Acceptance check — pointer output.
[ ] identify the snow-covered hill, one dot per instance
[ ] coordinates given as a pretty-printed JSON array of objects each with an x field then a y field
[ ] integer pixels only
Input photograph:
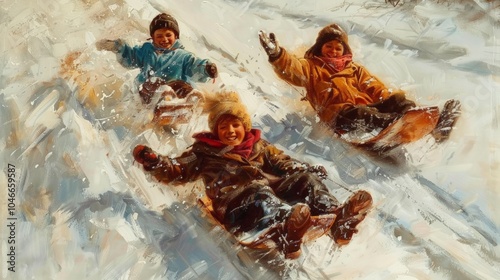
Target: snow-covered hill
[{"x": 83, "y": 210}]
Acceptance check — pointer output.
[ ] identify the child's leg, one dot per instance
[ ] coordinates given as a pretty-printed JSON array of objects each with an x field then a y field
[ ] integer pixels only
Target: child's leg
[
  {"x": 148, "y": 89},
  {"x": 257, "y": 207},
  {"x": 307, "y": 188},
  {"x": 151, "y": 85},
  {"x": 396, "y": 103},
  {"x": 363, "y": 118},
  {"x": 251, "y": 207}
]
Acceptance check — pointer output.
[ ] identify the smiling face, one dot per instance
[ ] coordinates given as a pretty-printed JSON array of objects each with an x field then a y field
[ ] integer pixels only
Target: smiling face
[
  {"x": 230, "y": 130},
  {"x": 164, "y": 38},
  {"x": 333, "y": 48}
]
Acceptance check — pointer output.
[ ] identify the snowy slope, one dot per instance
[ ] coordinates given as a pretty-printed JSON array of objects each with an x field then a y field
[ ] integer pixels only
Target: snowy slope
[{"x": 69, "y": 120}]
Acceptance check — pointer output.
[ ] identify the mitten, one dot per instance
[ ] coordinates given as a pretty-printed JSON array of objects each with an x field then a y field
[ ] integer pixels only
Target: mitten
[
  {"x": 109, "y": 45},
  {"x": 319, "y": 170},
  {"x": 270, "y": 44},
  {"x": 211, "y": 69},
  {"x": 145, "y": 156}
]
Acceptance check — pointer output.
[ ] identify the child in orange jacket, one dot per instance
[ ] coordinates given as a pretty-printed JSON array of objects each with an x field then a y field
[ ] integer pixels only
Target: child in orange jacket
[{"x": 343, "y": 93}]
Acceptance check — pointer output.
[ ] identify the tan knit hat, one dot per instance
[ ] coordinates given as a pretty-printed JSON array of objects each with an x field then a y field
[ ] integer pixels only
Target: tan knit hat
[
  {"x": 225, "y": 103},
  {"x": 328, "y": 33}
]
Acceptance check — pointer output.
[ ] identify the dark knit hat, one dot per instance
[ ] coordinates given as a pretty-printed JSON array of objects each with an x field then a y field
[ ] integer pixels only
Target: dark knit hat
[
  {"x": 225, "y": 103},
  {"x": 328, "y": 33},
  {"x": 164, "y": 21}
]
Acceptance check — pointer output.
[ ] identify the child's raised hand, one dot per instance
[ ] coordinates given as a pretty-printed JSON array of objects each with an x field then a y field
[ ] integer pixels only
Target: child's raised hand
[
  {"x": 108, "y": 45},
  {"x": 145, "y": 156},
  {"x": 269, "y": 43}
]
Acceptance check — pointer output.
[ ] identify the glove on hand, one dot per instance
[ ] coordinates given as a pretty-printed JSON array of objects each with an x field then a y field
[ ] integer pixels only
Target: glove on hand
[
  {"x": 145, "y": 156},
  {"x": 270, "y": 44},
  {"x": 318, "y": 170},
  {"x": 211, "y": 69},
  {"x": 108, "y": 45}
]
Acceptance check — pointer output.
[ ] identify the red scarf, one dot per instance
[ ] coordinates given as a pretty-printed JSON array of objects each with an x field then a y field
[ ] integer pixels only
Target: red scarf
[
  {"x": 338, "y": 63},
  {"x": 244, "y": 149}
]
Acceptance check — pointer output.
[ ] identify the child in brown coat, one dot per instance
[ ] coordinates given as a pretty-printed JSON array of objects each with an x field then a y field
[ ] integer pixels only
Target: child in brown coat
[
  {"x": 252, "y": 184},
  {"x": 343, "y": 93}
]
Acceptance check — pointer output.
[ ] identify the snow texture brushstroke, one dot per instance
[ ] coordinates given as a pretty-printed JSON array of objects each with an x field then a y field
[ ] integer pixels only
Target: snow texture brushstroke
[{"x": 85, "y": 211}]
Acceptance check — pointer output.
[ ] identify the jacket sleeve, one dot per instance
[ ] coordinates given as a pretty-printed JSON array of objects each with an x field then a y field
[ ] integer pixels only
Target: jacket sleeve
[
  {"x": 278, "y": 163},
  {"x": 177, "y": 170},
  {"x": 292, "y": 69},
  {"x": 195, "y": 68},
  {"x": 131, "y": 57},
  {"x": 372, "y": 86}
]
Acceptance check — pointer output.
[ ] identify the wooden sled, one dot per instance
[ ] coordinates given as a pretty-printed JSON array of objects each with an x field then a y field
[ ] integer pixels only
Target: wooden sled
[
  {"x": 412, "y": 126},
  {"x": 264, "y": 239},
  {"x": 171, "y": 110}
]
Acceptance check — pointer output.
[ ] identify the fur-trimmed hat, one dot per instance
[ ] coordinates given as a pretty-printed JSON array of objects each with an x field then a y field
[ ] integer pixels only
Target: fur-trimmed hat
[
  {"x": 328, "y": 33},
  {"x": 164, "y": 21},
  {"x": 225, "y": 103}
]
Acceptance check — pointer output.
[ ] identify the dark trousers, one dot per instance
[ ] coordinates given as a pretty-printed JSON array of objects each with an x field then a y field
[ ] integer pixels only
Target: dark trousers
[
  {"x": 258, "y": 206},
  {"x": 372, "y": 116}
]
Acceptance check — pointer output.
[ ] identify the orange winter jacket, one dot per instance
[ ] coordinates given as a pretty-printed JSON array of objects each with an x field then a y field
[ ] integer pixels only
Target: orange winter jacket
[{"x": 329, "y": 92}]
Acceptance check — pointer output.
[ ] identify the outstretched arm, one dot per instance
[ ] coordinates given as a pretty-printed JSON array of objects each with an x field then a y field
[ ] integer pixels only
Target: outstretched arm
[
  {"x": 200, "y": 70},
  {"x": 129, "y": 57},
  {"x": 288, "y": 67},
  {"x": 270, "y": 44},
  {"x": 164, "y": 169},
  {"x": 109, "y": 45}
]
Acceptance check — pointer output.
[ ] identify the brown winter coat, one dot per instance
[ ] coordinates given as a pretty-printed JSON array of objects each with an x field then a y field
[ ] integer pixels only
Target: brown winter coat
[
  {"x": 226, "y": 174},
  {"x": 328, "y": 92}
]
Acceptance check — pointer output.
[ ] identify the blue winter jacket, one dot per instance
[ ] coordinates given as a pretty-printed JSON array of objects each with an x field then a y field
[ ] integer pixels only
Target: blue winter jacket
[{"x": 170, "y": 64}]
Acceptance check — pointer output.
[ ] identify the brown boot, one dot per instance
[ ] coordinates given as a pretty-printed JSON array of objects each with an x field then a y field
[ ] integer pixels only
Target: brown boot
[
  {"x": 349, "y": 216},
  {"x": 447, "y": 119},
  {"x": 294, "y": 228}
]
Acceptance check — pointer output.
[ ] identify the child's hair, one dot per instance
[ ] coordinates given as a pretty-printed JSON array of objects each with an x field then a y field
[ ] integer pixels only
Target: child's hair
[
  {"x": 327, "y": 34},
  {"x": 164, "y": 21},
  {"x": 225, "y": 103}
]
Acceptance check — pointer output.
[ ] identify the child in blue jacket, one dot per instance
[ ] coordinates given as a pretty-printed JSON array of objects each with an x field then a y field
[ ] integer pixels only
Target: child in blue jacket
[{"x": 162, "y": 61}]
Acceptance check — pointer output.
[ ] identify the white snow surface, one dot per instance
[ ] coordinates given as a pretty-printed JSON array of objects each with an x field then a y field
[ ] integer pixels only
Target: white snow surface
[{"x": 70, "y": 117}]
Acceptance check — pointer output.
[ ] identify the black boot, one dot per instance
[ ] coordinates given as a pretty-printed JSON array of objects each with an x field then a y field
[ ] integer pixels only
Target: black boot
[{"x": 447, "y": 119}]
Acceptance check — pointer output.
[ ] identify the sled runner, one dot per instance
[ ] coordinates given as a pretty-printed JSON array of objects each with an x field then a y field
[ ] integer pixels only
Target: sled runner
[
  {"x": 268, "y": 238},
  {"x": 412, "y": 126}
]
